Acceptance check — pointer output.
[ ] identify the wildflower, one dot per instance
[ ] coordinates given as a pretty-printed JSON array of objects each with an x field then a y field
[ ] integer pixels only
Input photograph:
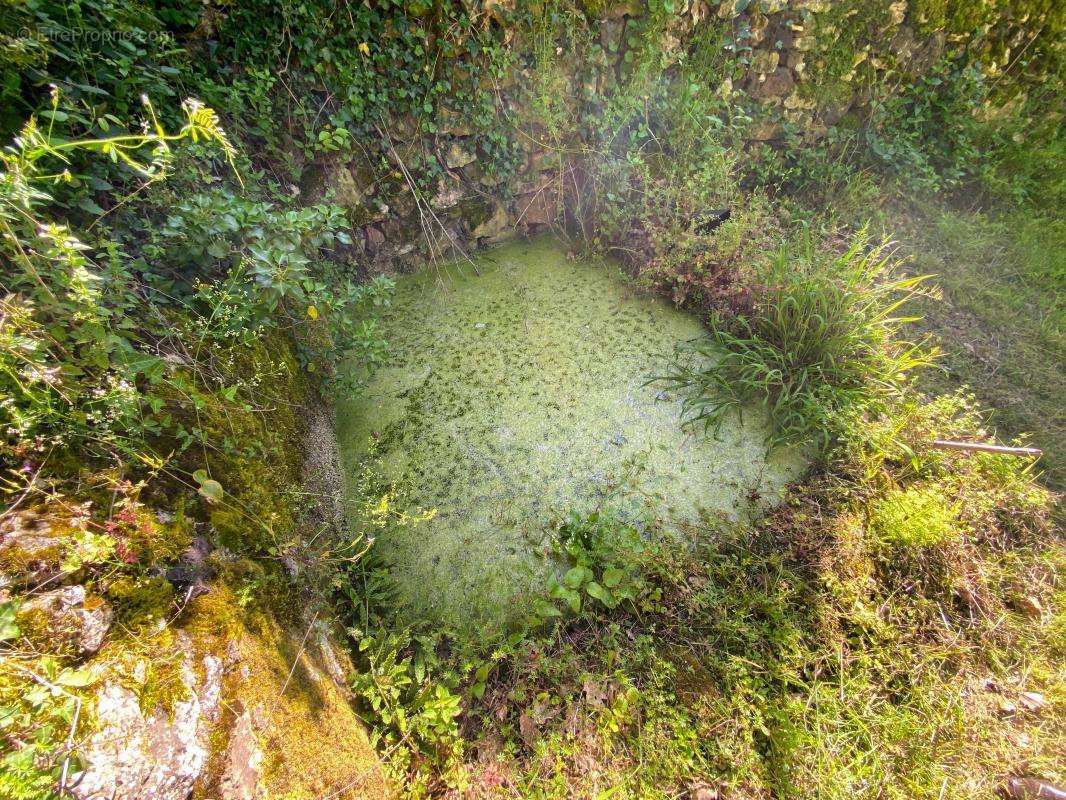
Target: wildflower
[{"x": 125, "y": 554}]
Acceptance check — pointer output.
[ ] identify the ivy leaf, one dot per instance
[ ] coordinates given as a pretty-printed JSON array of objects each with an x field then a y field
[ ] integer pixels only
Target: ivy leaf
[
  {"x": 75, "y": 678},
  {"x": 152, "y": 367},
  {"x": 88, "y": 204},
  {"x": 569, "y": 596},
  {"x": 573, "y": 599},
  {"x": 545, "y": 609},
  {"x": 210, "y": 489}
]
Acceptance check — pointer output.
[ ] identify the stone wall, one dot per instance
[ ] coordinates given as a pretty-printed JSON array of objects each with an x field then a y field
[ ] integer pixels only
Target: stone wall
[{"x": 802, "y": 65}]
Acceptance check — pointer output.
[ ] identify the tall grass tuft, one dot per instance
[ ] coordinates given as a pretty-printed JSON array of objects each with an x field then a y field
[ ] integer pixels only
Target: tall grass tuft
[{"x": 823, "y": 337}]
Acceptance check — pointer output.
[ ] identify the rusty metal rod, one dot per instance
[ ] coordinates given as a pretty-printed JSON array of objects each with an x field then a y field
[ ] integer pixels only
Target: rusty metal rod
[{"x": 944, "y": 444}]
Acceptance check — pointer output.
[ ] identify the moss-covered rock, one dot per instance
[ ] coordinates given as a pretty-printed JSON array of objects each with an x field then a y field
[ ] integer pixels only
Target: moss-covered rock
[
  {"x": 259, "y": 463},
  {"x": 141, "y": 600},
  {"x": 67, "y": 621},
  {"x": 231, "y": 700},
  {"x": 158, "y": 753},
  {"x": 488, "y": 223},
  {"x": 33, "y": 543},
  {"x": 289, "y": 728}
]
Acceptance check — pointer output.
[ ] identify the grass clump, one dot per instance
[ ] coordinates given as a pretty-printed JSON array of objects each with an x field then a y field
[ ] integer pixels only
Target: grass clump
[{"x": 822, "y": 337}]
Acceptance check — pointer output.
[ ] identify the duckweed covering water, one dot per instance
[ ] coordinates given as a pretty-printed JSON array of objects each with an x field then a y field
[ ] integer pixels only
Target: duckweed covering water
[{"x": 512, "y": 398}]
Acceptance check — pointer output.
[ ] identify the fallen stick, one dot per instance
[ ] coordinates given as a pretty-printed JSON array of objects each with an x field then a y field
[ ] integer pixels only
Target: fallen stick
[{"x": 944, "y": 444}]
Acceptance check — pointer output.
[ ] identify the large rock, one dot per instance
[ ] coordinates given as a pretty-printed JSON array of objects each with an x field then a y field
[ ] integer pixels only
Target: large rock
[
  {"x": 258, "y": 710},
  {"x": 155, "y": 756},
  {"x": 777, "y": 84},
  {"x": 448, "y": 195},
  {"x": 617, "y": 9},
  {"x": 453, "y": 123},
  {"x": 291, "y": 730},
  {"x": 457, "y": 155},
  {"x": 765, "y": 62},
  {"x": 611, "y": 34},
  {"x": 67, "y": 619},
  {"x": 242, "y": 772},
  {"x": 350, "y": 183},
  {"x": 499, "y": 10},
  {"x": 491, "y": 228},
  {"x": 374, "y": 239},
  {"x": 538, "y": 208}
]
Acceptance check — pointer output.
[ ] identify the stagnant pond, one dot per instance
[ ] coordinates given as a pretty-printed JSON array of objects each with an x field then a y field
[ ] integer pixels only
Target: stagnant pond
[{"x": 515, "y": 396}]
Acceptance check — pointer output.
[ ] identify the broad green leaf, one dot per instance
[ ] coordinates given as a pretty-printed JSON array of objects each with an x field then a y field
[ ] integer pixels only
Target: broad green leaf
[
  {"x": 601, "y": 594},
  {"x": 612, "y": 576},
  {"x": 9, "y": 629},
  {"x": 212, "y": 490},
  {"x": 75, "y": 678},
  {"x": 573, "y": 599},
  {"x": 545, "y": 609},
  {"x": 575, "y": 576}
]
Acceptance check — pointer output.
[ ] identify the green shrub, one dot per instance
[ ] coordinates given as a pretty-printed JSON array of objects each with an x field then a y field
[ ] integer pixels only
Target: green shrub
[
  {"x": 103, "y": 55},
  {"x": 217, "y": 272},
  {"x": 823, "y": 337},
  {"x": 275, "y": 276},
  {"x": 407, "y": 697},
  {"x": 38, "y": 703},
  {"x": 928, "y": 135},
  {"x": 71, "y": 360}
]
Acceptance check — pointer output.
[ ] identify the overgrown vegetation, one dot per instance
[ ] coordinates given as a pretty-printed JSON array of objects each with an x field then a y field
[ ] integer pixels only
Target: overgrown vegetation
[
  {"x": 180, "y": 278},
  {"x": 821, "y": 652},
  {"x": 821, "y": 340}
]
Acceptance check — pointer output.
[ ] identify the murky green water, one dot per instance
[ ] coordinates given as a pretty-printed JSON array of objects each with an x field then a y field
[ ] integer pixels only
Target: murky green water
[{"x": 515, "y": 396}]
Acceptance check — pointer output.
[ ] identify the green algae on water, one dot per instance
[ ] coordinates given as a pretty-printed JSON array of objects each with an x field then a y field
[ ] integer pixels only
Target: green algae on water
[{"x": 515, "y": 396}]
